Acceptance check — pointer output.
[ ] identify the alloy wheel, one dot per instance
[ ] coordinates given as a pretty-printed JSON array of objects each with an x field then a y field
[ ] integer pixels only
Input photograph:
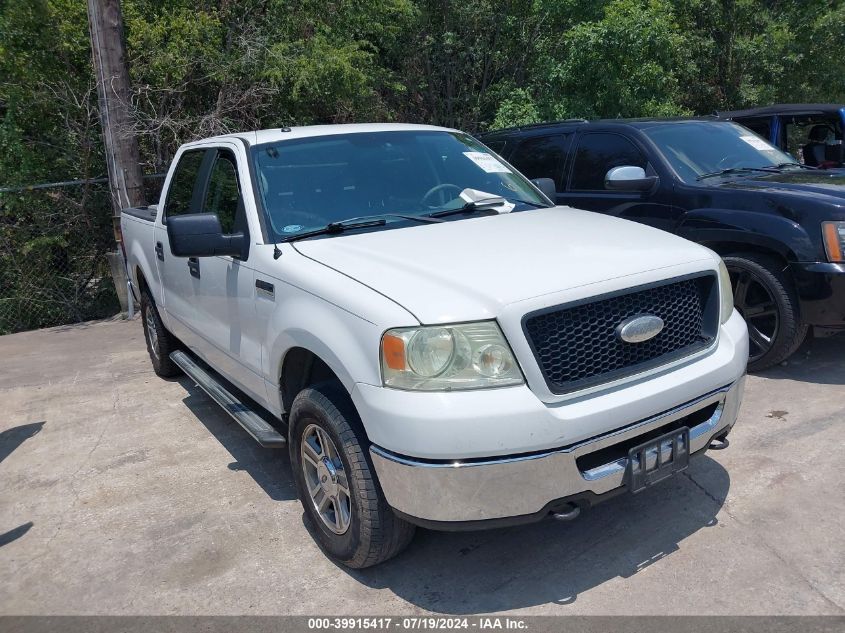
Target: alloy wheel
[
  {"x": 152, "y": 332},
  {"x": 757, "y": 305},
  {"x": 326, "y": 479}
]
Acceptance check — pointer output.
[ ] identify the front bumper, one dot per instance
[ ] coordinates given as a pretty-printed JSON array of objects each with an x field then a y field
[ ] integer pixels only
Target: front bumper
[
  {"x": 439, "y": 493},
  {"x": 821, "y": 290}
]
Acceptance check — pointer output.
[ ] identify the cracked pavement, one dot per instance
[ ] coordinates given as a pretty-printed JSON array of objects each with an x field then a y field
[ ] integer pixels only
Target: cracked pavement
[{"x": 121, "y": 493}]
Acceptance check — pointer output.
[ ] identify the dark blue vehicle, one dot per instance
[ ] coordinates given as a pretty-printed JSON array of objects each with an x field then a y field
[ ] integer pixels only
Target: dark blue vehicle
[
  {"x": 812, "y": 132},
  {"x": 778, "y": 224}
]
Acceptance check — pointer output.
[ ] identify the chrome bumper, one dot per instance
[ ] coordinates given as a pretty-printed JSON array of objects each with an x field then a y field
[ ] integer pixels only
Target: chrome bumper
[{"x": 482, "y": 490}]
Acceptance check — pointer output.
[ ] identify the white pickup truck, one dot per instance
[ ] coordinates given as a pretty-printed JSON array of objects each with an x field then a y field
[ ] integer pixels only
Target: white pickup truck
[{"x": 432, "y": 339}]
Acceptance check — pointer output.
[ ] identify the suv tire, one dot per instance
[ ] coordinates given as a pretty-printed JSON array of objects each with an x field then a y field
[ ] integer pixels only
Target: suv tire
[{"x": 767, "y": 300}]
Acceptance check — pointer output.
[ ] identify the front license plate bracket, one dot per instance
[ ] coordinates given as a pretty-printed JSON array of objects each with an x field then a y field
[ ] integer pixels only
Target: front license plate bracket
[{"x": 657, "y": 459}]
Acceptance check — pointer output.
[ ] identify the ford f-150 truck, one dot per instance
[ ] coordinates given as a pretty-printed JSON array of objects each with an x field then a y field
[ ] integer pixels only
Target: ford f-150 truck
[{"x": 432, "y": 339}]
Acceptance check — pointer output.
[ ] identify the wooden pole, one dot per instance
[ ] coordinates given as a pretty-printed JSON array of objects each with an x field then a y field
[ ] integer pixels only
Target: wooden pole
[{"x": 123, "y": 158}]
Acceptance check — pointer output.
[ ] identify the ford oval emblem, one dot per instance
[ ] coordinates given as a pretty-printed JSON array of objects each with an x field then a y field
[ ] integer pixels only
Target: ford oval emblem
[{"x": 639, "y": 328}]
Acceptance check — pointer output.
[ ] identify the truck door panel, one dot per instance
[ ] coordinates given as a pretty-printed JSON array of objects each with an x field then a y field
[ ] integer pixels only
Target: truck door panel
[{"x": 225, "y": 297}]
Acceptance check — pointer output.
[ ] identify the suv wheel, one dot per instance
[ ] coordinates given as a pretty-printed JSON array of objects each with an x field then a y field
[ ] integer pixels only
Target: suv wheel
[
  {"x": 764, "y": 296},
  {"x": 343, "y": 502}
]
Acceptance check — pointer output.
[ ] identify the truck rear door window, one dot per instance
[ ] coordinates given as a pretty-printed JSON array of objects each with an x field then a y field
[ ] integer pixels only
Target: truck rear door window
[{"x": 184, "y": 194}]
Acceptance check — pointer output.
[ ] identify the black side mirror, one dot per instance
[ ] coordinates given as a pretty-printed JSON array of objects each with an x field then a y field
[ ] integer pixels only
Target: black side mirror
[
  {"x": 629, "y": 178},
  {"x": 200, "y": 235},
  {"x": 547, "y": 186}
]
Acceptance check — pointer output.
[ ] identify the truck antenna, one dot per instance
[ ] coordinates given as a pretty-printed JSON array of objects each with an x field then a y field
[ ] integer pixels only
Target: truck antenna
[{"x": 277, "y": 252}]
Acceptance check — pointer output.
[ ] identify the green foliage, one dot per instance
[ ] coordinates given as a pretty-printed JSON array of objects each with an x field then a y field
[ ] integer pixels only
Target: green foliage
[{"x": 626, "y": 64}]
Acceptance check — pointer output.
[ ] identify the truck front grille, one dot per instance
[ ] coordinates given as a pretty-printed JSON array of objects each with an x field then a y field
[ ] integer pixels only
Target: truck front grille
[{"x": 576, "y": 344}]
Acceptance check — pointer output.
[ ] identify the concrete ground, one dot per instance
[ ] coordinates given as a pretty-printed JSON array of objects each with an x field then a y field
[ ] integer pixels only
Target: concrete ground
[{"x": 121, "y": 493}]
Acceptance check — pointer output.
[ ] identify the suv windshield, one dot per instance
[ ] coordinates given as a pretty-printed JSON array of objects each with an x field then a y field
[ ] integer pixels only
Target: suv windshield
[
  {"x": 697, "y": 148},
  {"x": 308, "y": 183}
]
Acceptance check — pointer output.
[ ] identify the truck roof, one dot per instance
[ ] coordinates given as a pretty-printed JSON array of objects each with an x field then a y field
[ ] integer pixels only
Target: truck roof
[{"x": 272, "y": 135}]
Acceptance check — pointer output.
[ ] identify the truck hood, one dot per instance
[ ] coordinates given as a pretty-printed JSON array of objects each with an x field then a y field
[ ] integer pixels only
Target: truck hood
[
  {"x": 817, "y": 183},
  {"x": 469, "y": 269}
]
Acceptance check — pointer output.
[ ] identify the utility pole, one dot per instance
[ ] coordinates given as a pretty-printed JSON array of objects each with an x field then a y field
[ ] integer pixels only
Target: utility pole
[{"x": 123, "y": 157}]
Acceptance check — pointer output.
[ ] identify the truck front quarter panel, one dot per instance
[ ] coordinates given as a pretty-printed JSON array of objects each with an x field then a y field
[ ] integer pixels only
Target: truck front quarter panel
[{"x": 324, "y": 312}]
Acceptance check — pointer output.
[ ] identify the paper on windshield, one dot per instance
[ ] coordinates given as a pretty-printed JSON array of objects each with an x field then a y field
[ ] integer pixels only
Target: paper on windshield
[
  {"x": 757, "y": 143},
  {"x": 487, "y": 162}
]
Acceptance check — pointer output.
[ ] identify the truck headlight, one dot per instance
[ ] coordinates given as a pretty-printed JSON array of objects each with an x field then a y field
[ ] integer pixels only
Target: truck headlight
[
  {"x": 726, "y": 294},
  {"x": 448, "y": 357},
  {"x": 834, "y": 241}
]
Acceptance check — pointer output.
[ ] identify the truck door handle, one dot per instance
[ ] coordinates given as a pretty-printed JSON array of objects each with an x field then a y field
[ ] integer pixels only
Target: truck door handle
[
  {"x": 265, "y": 287},
  {"x": 194, "y": 267},
  {"x": 160, "y": 251}
]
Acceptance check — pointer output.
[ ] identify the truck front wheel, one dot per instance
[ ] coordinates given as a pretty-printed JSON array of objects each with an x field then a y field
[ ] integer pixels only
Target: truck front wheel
[
  {"x": 343, "y": 502},
  {"x": 160, "y": 342}
]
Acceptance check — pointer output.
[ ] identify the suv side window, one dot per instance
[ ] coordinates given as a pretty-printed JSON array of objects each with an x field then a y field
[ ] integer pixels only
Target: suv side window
[
  {"x": 542, "y": 157},
  {"x": 184, "y": 193},
  {"x": 223, "y": 195},
  {"x": 598, "y": 153}
]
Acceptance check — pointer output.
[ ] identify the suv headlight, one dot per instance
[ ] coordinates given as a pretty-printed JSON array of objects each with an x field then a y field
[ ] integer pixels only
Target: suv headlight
[
  {"x": 834, "y": 241},
  {"x": 448, "y": 357},
  {"x": 726, "y": 294}
]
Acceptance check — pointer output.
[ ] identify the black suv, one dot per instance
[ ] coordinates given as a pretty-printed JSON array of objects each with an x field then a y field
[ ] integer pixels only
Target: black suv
[{"x": 779, "y": 225}]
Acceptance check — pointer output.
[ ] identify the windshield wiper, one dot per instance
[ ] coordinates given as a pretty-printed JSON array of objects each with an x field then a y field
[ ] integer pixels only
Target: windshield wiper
[
  {"x": 735, "y": 170},
  {"x": 485, "y": 204},
  {"x": 790, "y": 164},
  {"x": 360, "y": 222}
]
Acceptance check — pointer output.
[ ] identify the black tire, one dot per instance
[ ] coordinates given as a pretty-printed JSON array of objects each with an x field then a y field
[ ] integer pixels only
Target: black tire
[
  {"x": 374, "y": 533},
  {"x": 160, "y": 343},
  {"x": 766, "y": 298}
]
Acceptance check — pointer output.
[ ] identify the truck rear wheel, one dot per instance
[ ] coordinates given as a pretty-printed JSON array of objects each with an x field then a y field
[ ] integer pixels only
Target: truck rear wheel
[
  {"x": 766, "y": 299},
  {"x": 343, "y": 502},
  {"x": 160, "y": 342}
]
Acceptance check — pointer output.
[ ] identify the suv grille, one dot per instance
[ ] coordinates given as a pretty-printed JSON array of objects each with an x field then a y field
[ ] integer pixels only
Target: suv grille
[{"x": 576, "y": 345}]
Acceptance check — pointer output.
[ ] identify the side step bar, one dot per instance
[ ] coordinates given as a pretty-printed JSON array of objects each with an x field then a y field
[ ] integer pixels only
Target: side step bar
[{"x": 260, "y": 430}]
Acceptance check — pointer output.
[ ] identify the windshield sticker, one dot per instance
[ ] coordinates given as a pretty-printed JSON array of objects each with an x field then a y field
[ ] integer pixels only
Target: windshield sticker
[
  {"x": 488, "y": 163},
  {"x": 757, "y": 143},
  {"x": 292, "y": 228}
]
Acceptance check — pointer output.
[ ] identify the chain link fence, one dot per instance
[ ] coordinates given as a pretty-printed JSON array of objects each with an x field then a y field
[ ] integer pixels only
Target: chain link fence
[{"x": 53, "y": 264}]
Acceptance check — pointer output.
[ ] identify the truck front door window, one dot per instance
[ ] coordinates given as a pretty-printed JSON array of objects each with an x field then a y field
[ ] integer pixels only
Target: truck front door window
[
  {"x": 599, "y": 153},
  {"x": 223, "y": 195}
]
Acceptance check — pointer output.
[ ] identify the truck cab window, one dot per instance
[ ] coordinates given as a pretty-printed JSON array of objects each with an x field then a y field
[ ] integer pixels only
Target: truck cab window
[
  {"x": 543, "y": 157},
  {"x": 183, "y": 194},
  {"x": 597, "y": 154},
  {"x": 223, "y": 194}
]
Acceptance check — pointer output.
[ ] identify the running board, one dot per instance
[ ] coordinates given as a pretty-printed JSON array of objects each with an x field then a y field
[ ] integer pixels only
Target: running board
[{"x": 260, "y": 430}]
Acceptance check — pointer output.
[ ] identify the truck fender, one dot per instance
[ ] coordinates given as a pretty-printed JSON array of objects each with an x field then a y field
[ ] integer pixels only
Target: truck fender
[
  {"x": 346, "y": 343},
  {"x": 734, "y": 230}
]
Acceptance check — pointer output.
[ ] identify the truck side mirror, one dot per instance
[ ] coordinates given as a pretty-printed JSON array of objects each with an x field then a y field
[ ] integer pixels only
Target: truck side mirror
[
  {"x": 547, "y": 186},
  {"x": 200, "y": 235},
  {"x": 629, "y": 178}
]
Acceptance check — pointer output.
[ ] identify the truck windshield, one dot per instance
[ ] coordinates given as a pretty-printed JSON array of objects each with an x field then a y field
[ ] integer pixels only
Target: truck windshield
[
  {"x": 698, "y": 148},
  {"x": 307, "y": 183}
]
